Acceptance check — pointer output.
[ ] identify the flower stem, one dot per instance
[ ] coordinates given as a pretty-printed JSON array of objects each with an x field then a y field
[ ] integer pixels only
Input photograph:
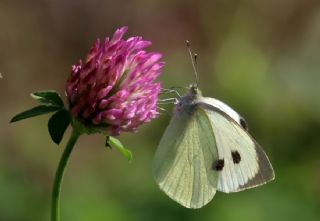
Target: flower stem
[{"x": 55, "y": 204}]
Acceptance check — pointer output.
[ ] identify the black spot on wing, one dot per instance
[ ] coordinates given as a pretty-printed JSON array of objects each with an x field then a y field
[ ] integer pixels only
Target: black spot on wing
[
  {"x": 244, "y": 124},
  {"x": 218, "y": 165},
  {"x": 236, "y": 157}
]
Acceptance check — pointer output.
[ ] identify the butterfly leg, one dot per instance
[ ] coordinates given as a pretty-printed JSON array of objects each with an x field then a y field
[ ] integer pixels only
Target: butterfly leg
[{"x": 170, "y": 90}]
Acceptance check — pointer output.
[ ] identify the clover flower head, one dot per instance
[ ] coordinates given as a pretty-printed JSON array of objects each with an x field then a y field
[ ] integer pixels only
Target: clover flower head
[{"x": 114, "y": 88}]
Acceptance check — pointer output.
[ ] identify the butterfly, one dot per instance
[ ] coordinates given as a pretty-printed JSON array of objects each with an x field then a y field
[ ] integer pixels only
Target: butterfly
[{"x": 207, "y": 148}]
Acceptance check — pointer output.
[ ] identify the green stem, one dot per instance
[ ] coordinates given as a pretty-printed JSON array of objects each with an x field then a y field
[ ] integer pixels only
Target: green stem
[{"x": 55, "y": 206}]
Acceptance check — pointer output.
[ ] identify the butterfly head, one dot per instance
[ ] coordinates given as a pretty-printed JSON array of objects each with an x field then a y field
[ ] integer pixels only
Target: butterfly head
[
  {"x": 188, "y": 102},
  {"x": 194, "y": 90}
]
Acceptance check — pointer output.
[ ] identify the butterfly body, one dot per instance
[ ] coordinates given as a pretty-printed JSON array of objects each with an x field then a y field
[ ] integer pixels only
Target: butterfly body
[{"x": 206, "y": 148}]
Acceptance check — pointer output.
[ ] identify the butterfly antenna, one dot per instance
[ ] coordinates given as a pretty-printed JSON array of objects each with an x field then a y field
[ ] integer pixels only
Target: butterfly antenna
[{"x": 193, "y": 58}]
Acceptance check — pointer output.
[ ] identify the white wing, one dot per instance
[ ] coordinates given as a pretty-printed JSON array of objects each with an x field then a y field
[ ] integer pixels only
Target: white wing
[
  {"x": 245, "y": 165},
  {"x": 182, "y": 166},
  {"x": 223, "y": 107}
]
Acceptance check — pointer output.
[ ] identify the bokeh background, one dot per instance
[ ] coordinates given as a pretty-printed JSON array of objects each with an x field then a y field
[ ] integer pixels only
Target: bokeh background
[{"x": 260, "y": 57}]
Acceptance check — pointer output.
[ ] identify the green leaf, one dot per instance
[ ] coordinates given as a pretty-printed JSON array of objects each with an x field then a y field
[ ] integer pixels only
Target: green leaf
[
  {"x": 82, "y": 128},
  {"x": 115, "y": 143},
  {"x": 48, "y": 97},
  {"x": 38, "y": 110},
  {"x": 57, "y": 125}
]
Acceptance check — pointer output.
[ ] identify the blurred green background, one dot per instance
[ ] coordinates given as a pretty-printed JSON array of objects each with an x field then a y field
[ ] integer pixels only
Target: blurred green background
[{"x": 260, "y": 57}]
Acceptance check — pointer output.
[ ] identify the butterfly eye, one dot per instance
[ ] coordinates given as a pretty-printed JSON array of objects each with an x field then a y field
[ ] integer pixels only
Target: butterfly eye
[{"x": 244, "y": 124}]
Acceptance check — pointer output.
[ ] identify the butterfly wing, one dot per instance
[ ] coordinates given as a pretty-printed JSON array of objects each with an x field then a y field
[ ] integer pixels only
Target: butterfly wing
[
  {"x": 182, "y": 166},
  {"x": 245, "y": 163},
  {"x": 222, "y": 107}
]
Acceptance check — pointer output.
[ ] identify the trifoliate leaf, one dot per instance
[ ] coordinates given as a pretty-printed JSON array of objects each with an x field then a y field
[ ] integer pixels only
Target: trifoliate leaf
[
  {"x": 57, "y": 125},
  {"x": 38, "y": 110},
  {"x": 48, "y": 97},
  {"x": 115, "y": 143}
]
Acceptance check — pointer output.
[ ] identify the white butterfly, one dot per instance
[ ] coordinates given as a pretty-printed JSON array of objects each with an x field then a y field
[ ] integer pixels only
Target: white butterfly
[{"x": 206, "y": 148}]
